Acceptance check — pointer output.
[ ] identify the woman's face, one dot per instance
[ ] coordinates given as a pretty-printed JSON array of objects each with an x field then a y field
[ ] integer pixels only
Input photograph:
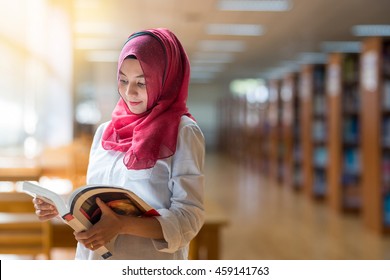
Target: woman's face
[{"x": 132, "y": 86}]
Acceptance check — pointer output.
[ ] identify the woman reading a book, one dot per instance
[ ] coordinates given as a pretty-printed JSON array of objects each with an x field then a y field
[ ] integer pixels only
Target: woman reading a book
[{"x": 152, "y": 146}]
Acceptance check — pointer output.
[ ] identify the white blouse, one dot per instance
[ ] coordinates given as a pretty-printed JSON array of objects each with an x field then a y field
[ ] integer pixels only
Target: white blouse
[{"x": 174, "y": 187}]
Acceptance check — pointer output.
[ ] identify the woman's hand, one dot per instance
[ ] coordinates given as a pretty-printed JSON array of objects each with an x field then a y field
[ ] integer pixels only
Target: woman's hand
[
  {"x": 103, "y": 231},
  {"x": 45, "y": 211}
]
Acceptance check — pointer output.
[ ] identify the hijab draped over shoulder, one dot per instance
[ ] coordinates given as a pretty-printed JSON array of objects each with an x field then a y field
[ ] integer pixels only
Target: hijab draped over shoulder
[{"x": 152, "y": 135}]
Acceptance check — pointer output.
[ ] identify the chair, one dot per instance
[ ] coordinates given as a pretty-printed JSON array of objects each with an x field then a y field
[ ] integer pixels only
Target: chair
[{"x": 21, "y": 232}]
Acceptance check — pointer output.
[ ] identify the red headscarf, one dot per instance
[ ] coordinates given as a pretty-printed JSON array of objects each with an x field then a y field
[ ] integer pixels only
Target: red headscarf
[{"x": 152, "y": 135}]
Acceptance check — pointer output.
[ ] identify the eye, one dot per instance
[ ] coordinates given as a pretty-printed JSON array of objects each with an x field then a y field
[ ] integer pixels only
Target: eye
[
  {"x": 122, "y": 81},
  {"x": 141, "y": 85}
]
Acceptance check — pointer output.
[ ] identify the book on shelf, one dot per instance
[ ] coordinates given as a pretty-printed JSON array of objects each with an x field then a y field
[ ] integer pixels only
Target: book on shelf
[{"x": 80, "y": 211}]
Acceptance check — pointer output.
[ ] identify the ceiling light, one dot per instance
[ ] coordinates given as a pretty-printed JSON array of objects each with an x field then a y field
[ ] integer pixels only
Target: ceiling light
[
  {"x": 371, "y": 30},
  {"x": 200, "y": 81},
  {"x": 93, "y": 28},
  {"x": 274, "y": 73},
  {"x": 207, "y": 67},
  {"x": 199, "y": 58},
  {"x": 103, "y": 56},
  {"x": 341, "y": 47},
  {"x": 312, "y": 58},
  {"x": 202, "y": 75},
  {"x": 235, "y": 29},
  {"x": 95, "y": 43},
  {"x": 255, "y": 5},
  {"x": 290, "y": 66},
  {"x": 222, "y": 46}
]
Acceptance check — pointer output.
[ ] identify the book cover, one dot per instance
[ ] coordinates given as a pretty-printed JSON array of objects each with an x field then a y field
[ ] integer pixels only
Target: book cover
[{"x": 81, "y": 211}]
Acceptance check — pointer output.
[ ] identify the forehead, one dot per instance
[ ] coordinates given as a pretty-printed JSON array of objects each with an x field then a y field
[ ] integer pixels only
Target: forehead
[{"x": 131, "y": 66}]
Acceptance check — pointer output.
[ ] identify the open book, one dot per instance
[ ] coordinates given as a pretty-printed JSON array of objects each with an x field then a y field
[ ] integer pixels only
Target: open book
[{"x": 81, "y": 211}]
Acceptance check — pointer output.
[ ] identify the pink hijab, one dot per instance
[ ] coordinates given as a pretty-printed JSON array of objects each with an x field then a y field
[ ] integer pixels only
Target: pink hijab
[{"x": 147, "y": 137}]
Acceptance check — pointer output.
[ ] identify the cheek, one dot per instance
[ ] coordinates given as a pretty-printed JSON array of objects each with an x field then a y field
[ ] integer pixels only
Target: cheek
[
  {"x": 121, "y": 92},
  {"x": 144, "y": 96},
  {"x": 152, "y": 94}
]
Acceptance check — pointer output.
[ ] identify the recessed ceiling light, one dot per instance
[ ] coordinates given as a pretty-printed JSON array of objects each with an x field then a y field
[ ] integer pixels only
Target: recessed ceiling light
[
  {"x": 222, "y": 46},
  {"x": 93, "y": 28},
  {"x": 312, "y": 58},
  {"x": 203, "y": 75},
  {"x": 371, "y": 30},
  {"x": 235, "y": 29},
  {"x": 200, "y": 57},
  {"x": 103, "y": 56},
  {"x": 95, "y": 43},
  {"x": 290, "y": 66},
  {"x": 207, "y": 67},
  {"x": 342, "y": 47},
  {"x": 255, "y": 5}
]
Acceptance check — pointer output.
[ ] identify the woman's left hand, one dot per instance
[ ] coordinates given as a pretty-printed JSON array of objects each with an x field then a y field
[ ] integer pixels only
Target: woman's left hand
[{"x": 103, "y": 231}]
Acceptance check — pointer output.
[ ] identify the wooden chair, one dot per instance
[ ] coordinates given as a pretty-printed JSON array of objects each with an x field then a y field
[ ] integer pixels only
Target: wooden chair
[{"x": 21, "y": 232}]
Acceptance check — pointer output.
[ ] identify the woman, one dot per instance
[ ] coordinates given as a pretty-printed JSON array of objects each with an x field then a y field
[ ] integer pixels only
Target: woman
[{"x": 152, "y": 146}]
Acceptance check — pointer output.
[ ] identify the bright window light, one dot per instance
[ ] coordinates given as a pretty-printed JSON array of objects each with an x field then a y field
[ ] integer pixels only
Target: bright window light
[
  {"x": 235, "y": 29},
  {"x": 255, "y": 5},
  {"x": 371, "y": 30}
]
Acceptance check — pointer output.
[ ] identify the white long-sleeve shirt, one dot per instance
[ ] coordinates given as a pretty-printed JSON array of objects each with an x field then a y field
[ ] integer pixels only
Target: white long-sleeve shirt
[{"x": 174, "y": 187}]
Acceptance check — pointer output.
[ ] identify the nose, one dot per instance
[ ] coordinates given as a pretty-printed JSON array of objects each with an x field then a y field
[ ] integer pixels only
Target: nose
[{"x": 130, "y": 90}]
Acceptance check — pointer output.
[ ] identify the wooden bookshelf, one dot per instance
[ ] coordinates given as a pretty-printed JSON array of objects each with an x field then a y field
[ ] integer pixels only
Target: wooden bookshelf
[
  {"x": 274, "y": 134},
  {"x": 265, "y": 143},
  {"x": 344, "y": 168},
  {"x": 291, "y": 124},
  {"x": 314, "y": 129},
  {"x": 375, "y": 96}
]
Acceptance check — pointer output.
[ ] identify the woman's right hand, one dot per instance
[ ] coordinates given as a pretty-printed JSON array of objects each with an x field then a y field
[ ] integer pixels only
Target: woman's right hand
[{"x": 45, "y": 211}]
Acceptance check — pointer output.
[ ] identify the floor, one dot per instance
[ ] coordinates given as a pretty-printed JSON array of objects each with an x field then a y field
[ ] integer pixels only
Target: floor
[{"x": 267, "y": 221}]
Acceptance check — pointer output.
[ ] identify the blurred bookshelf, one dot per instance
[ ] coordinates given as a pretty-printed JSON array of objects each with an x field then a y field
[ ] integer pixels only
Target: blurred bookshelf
[
  {"x": 314, "y": 130},
  {"x": 344, "y": 168},
  {"x": 375, "y": 95}
]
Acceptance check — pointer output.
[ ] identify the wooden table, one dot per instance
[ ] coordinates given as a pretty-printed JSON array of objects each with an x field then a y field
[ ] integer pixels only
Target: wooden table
[
  {"x": 19, "y": 169},
  {"x": 206, "y": 245}
]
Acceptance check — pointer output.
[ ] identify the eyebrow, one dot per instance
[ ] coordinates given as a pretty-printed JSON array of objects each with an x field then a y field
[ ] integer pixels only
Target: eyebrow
[{"x": 139, "y": 76}]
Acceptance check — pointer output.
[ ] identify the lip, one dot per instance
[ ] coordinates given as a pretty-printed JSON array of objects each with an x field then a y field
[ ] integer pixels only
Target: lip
[{"x": 133, "y": 103}]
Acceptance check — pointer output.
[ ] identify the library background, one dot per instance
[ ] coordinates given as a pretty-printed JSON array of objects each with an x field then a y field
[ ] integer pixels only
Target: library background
[{"x": 293, "y": 97}]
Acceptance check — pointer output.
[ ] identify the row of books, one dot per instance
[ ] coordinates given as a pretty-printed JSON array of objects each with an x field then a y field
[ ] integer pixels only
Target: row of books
[
  {"x": 386, "y": 58},
  {"x": 386, "y": 95},
  {"x": 386, "y": 131},
  {"x": 386, "y": 172},
  {"x": 351, "y": 99},
  {"x": 319, "y": 130},
  {"x": 351, "y": 129},
  {"x": 386, "y": 209},
  {"x": 320, "y": 157},
  {"x": 352, "y": 161},
  {"x": 319, "y": 103},
  {"x": 319, "y": 184},
  {"x": 386, "y": 187},
  {"x": 351, "y": 68}
]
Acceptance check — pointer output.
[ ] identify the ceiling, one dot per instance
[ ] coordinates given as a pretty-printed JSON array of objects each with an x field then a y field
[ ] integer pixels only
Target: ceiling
[{"x": 286, "y": 35}]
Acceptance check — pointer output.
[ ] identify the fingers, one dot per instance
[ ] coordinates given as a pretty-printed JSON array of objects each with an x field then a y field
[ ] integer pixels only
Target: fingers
[
  {"x": 92, "y": 243},
  {"x": 43, "y": 210}
]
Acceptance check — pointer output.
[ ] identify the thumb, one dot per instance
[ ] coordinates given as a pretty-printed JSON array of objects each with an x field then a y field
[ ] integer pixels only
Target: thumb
[{"x": 103, "y": 207}]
